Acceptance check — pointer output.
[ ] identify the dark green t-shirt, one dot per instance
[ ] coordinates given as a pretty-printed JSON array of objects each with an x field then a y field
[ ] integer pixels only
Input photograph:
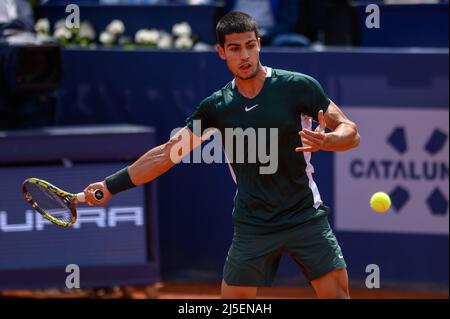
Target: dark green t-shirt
[{"x": 288, "y": 102}]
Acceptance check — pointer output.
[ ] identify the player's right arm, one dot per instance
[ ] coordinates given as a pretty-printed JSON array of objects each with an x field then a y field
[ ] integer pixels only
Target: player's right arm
[{"x": 149, "y": 166}]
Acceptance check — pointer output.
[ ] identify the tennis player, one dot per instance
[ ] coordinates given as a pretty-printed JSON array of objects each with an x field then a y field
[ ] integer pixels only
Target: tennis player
[{"x": 273, "y": 213}]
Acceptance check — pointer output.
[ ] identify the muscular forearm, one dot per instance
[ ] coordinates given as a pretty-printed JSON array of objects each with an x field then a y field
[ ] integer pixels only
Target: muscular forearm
[
  {"x": 344, "y": 137},
  {"x": 151, "y": 165},
  {"x": 154, "y": 163}
]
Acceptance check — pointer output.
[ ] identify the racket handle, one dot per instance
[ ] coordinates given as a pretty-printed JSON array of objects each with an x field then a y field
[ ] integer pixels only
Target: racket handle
[{"x": 81, "y": 197}]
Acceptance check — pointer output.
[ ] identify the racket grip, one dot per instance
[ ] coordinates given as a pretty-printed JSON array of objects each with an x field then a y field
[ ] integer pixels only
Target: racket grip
[{"x": 81, "y": 197}]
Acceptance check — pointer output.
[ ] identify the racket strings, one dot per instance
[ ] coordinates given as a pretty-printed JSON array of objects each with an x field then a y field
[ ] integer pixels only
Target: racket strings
[{"x": 50, "y": 203}]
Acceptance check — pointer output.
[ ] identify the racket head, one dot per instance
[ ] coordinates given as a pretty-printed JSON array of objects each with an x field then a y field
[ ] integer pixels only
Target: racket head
[{"x": 54, "y": 204}]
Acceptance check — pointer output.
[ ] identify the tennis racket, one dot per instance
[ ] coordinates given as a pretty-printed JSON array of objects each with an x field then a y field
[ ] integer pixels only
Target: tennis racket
[{"x": 53, "y": 203}]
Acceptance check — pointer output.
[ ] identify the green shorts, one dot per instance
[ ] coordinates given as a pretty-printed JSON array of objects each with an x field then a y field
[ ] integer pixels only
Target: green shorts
[{"x": 253, "y": 259}]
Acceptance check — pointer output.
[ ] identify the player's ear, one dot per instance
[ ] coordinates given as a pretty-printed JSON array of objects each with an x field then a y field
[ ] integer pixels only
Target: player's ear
[
  {"x": 259, "y": 42},
  {"x": 221, "y": 51}
]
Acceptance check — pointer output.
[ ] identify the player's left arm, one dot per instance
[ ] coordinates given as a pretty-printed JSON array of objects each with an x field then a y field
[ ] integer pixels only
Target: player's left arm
[{"x": 344, "y": 133}]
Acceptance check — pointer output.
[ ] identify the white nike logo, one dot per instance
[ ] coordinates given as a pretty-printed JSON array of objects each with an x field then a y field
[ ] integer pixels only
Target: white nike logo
[
  {"x": 248, "y": 109},
  {"x": 340, "y": 256}
]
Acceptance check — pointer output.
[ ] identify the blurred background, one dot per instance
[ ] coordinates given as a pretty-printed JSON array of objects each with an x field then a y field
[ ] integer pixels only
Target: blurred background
[{"x": 87, "y": 86}]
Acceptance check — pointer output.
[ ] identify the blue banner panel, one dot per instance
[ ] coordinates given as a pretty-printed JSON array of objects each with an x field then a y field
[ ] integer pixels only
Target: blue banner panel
[{"x": 113, "y": 235}]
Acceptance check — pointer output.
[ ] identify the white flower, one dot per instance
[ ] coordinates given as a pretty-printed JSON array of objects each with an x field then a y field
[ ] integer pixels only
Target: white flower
[
  {"x": 106, "y": 38},
  {"x": 61, "y": 23},
  {"x": 62, "y": 34},
  {"x": 86, "y": 31},
  {"x": 182, "y": 29},
  {"x": 116, "y": 27},
  {"x": 184, "y": 43},
  {"x": 152, "y": 36},
  {"x": 165, "y": 41},
  {"x": 139, "y": 36},
  {"x": 200, "y": 46},
  {"x": 147, "y": 37},
  {"x": 43, "y": 26}
]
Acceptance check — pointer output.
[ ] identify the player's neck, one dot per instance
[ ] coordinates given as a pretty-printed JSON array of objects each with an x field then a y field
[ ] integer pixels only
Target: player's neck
[{"x": 251, "y": 87}]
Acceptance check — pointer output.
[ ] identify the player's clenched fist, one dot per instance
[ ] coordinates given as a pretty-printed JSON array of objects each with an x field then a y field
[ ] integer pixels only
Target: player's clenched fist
[{"x": 92, "y": 194}]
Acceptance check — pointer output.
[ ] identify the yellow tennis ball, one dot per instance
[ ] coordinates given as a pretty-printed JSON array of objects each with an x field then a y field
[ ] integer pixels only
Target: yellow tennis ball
[{"x": 380, "y": 202}]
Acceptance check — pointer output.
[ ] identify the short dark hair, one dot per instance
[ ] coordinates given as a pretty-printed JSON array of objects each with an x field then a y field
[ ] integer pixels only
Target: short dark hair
[{"x": 235, "y": 22}]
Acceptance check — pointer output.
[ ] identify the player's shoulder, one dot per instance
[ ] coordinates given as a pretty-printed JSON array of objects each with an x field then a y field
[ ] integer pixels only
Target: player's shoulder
[
  {"x": 293, "y": 77},
  {"x": 212, "y": 99},
  {"x": 217, "y": 97}
]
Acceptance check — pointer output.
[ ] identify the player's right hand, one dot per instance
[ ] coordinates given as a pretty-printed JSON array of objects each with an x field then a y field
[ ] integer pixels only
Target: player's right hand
[{"x": 89, "y": 193}]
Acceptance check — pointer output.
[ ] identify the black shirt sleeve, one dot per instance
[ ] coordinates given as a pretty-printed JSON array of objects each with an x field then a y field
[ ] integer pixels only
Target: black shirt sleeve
[
  {"x": 203, "y": 113},
  {"x": 310, "y": 96}
]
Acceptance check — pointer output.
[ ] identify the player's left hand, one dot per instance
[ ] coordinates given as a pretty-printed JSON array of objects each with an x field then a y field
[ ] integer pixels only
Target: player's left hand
[{"x": 313, "y": 141}]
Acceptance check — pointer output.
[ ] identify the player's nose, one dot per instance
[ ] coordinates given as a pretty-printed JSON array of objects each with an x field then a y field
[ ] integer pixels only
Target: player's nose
[{"x": 245, "y": 55}]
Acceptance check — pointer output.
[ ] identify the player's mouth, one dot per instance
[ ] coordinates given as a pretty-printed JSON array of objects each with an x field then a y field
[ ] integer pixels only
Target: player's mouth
[{"x": 245, "y": 67}]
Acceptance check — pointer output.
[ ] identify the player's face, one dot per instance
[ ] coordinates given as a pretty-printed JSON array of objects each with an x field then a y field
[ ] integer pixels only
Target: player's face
[{"x": 241, "y": 52}]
